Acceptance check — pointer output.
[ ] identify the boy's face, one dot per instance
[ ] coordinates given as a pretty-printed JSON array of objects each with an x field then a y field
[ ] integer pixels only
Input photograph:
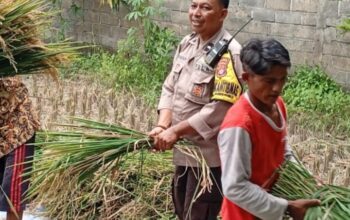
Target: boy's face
[{"x": 265, "y": 89}]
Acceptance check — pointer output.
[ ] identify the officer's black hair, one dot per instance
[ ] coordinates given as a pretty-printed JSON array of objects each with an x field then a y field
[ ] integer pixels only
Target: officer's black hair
[
  {"x": 258, "y": 56},
  {"x": 225, "y": 3}
]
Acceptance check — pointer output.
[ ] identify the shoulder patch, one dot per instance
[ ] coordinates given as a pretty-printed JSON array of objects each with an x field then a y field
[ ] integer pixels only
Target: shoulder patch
[
  {"x": 226, "y": 84},
  {"x": 221, "y": 69}
]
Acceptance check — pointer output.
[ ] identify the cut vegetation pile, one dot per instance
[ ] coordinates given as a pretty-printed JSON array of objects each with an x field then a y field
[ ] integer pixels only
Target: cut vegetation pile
[{"x": 22, "y": 50}]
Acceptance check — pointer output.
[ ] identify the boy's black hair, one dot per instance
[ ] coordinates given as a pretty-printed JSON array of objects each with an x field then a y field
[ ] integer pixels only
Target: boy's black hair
[
  {"x": 225, "y": 3},
  {"x": 258, "y": 55}
]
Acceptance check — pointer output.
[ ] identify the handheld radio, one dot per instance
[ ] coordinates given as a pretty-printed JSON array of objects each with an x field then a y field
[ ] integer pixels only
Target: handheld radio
[{"x": 215, "y": 53}]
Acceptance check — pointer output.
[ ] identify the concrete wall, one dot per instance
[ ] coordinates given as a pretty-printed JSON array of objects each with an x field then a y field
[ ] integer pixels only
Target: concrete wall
[{"x": 306, "y": 27}]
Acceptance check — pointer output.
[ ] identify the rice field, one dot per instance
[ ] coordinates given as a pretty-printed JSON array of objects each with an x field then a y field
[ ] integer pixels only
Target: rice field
[
  {"x": 140, "y": 187},
  {"x": 326, "y": 156}
]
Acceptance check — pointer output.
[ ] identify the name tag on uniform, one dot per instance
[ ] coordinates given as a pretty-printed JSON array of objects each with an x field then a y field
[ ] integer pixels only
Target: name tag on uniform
[
  {"x": 203, "y": 67},
  {"x": 181, "y": 57}
]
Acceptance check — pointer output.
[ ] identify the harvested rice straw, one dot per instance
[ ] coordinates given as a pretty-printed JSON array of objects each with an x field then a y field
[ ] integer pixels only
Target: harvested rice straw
[
  {"x": 12, "y": 208},
  {"x": 90, "y": 151},
  {"x": 22, "y": 50},
  {"x": 205, "y": 179},
  {"x": 295, "y": 182}
]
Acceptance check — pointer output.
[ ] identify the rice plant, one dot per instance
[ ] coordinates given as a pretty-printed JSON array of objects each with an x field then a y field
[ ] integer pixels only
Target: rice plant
[
  {"x": 295, "y": 182},
  {"x": 102, "y": 171},
  {"x": 22, "y": 50}
]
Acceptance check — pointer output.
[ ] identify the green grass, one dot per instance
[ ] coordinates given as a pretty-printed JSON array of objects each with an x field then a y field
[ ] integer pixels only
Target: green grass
[
  {"x": 315, "y": 102},
  {"x": 136, "y": 74},
  {"x": 138, "y": 66}
]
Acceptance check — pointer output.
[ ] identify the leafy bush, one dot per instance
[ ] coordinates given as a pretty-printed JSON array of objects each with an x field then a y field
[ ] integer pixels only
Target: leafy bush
[
  {"x": 133, "y": 71},
  {"x": 311, "y": 91},
  {"x": 142, "y": 60}
]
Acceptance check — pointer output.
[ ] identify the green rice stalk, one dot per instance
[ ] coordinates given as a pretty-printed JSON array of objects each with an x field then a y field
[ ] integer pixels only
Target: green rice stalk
[
  {"x": 104, "y": 171},
  {"x": 295, "y": 182},
  {"x": 22, "y": 50}
]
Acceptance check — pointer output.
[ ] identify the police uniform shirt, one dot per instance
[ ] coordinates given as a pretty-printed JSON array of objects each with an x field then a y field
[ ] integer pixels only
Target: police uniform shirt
[{"x": 187, "y": 92}]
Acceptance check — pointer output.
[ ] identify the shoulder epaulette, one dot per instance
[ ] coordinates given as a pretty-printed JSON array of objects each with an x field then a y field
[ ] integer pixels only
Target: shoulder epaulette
[{"x": 186, "y": 39}]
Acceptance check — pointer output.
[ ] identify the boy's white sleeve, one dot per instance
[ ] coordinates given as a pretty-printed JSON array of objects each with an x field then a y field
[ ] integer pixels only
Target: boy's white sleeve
[
  {"x": 235, "y": 152},
  {"x": 288, "y": 153}
]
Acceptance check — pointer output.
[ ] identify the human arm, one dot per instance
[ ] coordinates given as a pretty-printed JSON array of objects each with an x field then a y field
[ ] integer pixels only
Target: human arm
[
  {"x": 235, "y": 49},
  {"x": 289, "y": 154},
  {"x": 164, "y": 122},
  {"x": 165, "y": 104},
  {"x": 165, "y": 116},
  {"x": 166, "y": 139},
  {"x": 206, "y": 123}
]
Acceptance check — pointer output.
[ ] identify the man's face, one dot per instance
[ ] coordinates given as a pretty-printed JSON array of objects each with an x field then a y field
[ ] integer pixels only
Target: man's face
[
  {"x": 265, "y": 89},
  {"x": 206, "y": 17}
]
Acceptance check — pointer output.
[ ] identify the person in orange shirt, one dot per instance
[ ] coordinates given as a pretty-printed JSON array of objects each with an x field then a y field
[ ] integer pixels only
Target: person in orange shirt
[{"x": 253, "y": 138}]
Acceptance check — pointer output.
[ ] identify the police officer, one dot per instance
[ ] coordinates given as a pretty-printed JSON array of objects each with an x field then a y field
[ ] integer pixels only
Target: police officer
[{"x": 188, "y": 110}]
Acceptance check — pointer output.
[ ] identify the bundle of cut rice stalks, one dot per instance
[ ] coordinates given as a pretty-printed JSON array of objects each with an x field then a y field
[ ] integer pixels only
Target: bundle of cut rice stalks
[
  {"x": 22, "y": 50},
  {"x": 295, "y": 182},
  {"x": 103, "y": 171}
]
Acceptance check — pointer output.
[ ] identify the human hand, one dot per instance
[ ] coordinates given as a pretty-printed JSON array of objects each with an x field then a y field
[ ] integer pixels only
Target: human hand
[
  {"x": 155, "y": 131},
  {"x": 154, "y": 135},
  {"x": 297, "y": 208},
  {"x": 166, "y": 139}
]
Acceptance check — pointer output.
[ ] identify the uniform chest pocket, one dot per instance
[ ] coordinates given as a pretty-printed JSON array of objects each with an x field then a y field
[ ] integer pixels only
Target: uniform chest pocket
[
  {"x": 176, "y": 71},
  {"x": 201, "y": 87}
]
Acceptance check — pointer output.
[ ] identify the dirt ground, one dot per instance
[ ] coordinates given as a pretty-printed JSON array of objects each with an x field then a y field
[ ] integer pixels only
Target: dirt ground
[{"x": 326, "y": 156}]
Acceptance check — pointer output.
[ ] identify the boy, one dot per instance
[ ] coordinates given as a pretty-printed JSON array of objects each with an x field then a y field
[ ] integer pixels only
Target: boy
[{"x": 252, "y": 139}]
